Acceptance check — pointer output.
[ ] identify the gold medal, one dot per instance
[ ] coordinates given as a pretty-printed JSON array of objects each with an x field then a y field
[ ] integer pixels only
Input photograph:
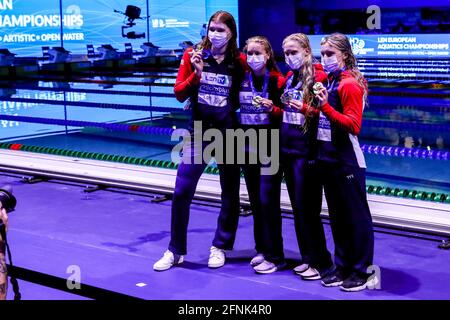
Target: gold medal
[
  {"x": 198, "y": 48},
  {"x": 257, "y": 100},
  {"x": 205, "y": 52},
  {"x": 318, "y": 86},
  {"x": 286, "y": 97}
]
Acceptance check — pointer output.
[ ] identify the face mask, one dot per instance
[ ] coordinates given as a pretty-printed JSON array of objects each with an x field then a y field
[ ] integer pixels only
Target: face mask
[
  {"x": 218, "y": 39},
  {"x": 330, "y": 64},
  {"x": 256, "y": 62},
  {"x": 294, "y": 62}
]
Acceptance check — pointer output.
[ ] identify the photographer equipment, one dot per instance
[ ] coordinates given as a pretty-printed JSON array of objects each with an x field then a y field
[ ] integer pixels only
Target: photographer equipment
[
  {"x": 8, "y": 202},
  {"x": 133, "y": 13},
  {"x": 7, "y": 199}
]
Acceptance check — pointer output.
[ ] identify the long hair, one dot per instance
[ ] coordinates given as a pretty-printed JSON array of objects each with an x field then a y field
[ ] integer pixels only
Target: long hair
[
  {"x": 342, "y": 43},
  {"x": 227, "y": 19},
  {"x": 271, "y": 63},
  {"x": 308, "y": 74}
]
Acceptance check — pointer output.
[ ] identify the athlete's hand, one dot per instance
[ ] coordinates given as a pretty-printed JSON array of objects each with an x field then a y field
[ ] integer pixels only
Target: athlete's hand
[
  {"x": 267, "y": 103},
  {"x": 296, "y": 104},
  {"x": 322, "y": 96},
  {"x": 197, "y": 62}
]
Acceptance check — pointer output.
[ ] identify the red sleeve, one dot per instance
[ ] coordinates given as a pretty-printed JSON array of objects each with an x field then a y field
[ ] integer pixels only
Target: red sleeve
[
  {"x": 186, "y": 78},
  {"x": 351, "y": 95}
]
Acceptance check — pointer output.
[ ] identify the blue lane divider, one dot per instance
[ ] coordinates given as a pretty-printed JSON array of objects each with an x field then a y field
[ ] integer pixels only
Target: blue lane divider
[
  {"x": 386, "y": 110},
  {"x": 409, "y": 92},
  {"x": 437, "y": 72},
  {"x": 48, "y": 78},
  {"x": 95, "y": 105},
  {"x": 141, "y": 73},
  {"x": 77, "y": 123},
  {"x": 436, "y": 127},
  {"x": 394, "y": 151},
  {"x": 432, "y": 84},
  {"x": 100, "y": 91},
  {"x": 130, "y": 75},
  {"x": 403, "y": 61},
  {"x": 416, "y": 76}
]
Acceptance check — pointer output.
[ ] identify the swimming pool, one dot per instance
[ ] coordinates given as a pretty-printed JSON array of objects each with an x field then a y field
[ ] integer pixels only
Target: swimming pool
[{"x": 110, "y": 116}]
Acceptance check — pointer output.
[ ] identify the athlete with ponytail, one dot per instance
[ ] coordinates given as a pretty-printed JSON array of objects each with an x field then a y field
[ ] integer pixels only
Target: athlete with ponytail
[
  {"x": 259, "y": 111},
  {"x": 295, "y": 144},
  {"x": 340, "y": 166}
]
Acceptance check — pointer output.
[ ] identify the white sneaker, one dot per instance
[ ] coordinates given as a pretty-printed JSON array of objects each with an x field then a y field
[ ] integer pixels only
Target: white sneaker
[
  {"x": 268, "y": 267},
  {"x": 167, "y": 261},
  {"x": 311, "y": 274},
  {"x": 216, "y": 257},
  {"x": 301, "y": 268},
  {"x": 258, "y": 259}
]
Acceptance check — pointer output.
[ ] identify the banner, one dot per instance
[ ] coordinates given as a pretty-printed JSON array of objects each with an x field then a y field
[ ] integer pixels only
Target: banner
[
  {"x": 394, "y": 46},
  {"x": 27, "y": 25}
]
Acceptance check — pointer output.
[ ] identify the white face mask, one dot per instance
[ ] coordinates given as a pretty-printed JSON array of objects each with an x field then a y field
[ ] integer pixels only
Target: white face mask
[
  {"x": 294, "y": 61},
  {"x": 218, "y": 39},
  {"x": 256, "y": 62},
  {"x": 330, "y": 64}
]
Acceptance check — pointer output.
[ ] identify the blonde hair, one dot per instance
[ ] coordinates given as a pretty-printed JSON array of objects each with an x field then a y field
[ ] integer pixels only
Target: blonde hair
[
  {"x": 308, "y": 74},
  {"x": 342, "y": 43},
  {"x": 271, "y": 63}
]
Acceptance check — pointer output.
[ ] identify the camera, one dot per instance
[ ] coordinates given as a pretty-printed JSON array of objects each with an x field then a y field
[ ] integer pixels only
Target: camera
[
  {"x": 7, "y": 199},
  {"x": 132, "y": 13},
  {"x": 8, "y": 202}
]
